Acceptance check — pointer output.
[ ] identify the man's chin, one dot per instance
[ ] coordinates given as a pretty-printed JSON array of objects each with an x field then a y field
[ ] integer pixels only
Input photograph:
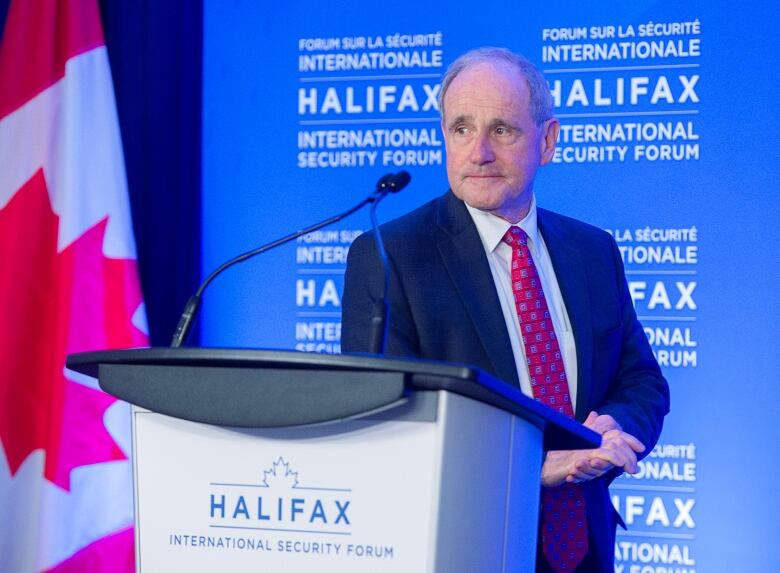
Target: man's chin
[
  {"x": 482, "y": 204},
  {"x": 487, "y": 195}
]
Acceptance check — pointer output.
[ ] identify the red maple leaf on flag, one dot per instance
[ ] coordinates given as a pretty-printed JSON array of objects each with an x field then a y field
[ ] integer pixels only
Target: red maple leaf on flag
[{"x": 54, "y": 304}]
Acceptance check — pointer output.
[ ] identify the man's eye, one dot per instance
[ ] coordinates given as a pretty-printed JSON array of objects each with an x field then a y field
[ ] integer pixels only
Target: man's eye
[
  {"x": 461, "y": 130},
  {"x": 502, "y": 130}
]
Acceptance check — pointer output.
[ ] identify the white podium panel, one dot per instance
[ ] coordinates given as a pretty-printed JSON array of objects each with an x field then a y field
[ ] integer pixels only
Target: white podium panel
[{"x": 428, "y": 490}]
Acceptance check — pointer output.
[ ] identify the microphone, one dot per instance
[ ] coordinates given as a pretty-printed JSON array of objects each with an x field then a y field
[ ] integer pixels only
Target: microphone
[
  {"x": 380, "y": 316},
  {"x": 389, "y": 183},
  {"x": 394, "y": 182}
]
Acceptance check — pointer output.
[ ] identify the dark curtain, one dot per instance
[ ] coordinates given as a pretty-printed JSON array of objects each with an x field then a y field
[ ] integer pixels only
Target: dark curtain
[{"x": 155, "y": 49}]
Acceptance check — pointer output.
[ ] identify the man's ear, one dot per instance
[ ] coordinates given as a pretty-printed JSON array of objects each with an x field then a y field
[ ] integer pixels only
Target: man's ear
[{"x": 549, "y": 138}]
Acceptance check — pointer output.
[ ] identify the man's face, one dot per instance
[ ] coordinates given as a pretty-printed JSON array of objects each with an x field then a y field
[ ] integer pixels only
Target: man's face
[{"x": 494, "y": 146}]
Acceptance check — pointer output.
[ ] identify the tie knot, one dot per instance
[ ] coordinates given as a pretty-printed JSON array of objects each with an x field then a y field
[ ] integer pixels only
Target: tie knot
[{"x": 515, "y": 235}]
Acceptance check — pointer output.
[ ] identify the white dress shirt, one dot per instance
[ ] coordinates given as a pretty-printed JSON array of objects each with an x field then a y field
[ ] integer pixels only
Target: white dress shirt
[{"x": 491, "y": 230}]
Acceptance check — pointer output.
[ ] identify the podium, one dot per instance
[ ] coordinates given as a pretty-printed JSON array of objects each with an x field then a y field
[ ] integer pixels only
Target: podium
[{"x": 252, "y": 460}]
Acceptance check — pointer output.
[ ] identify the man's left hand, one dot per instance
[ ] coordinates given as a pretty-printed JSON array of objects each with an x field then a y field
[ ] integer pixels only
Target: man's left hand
[{"x": 618, "y": 449}]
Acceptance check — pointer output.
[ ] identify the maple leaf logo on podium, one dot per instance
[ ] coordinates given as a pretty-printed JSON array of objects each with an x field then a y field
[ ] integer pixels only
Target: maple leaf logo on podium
[{"x": 280, "y": 476}]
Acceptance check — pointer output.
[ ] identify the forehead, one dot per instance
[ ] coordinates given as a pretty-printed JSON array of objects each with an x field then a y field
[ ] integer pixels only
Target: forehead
[{"x": 494, "y": 88}]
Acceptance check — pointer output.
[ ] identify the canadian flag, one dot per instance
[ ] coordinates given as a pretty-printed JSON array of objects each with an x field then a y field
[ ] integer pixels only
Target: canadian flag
[{"x": 68, "y": 283}]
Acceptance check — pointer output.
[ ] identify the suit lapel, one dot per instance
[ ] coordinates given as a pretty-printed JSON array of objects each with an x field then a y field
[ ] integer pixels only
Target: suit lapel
[
  {"x": 464, "y": 258},
  {"x": 570, "y": 271}
]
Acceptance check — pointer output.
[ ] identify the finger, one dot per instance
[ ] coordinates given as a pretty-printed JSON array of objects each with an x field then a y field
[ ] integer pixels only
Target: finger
[
  {"x": 579, "y": 477},
  {"x": 576, "y": 476},
  {"x": 624, "y": 457},
  {"x": 600, "y": 464},
  {"x": 632, "y": 466},
  {"x": 612, "y": 454},
  {"x": 584, "y": 469},
  {"x": 617, "y": 436},
  {"x": 635, "y": 444},
  {"x": 588, "y": 423},
  {"x": 572, "y": 471},
  {"x": 557, "y": 465},
  {"x": 604, "y": 423}
]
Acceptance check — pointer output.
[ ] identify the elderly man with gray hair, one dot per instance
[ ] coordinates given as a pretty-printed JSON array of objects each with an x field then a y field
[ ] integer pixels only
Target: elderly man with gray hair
[{"x": 483, "y": 276}]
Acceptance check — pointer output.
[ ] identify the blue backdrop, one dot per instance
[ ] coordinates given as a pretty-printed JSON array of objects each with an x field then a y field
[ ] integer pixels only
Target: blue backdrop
[{"x": 669, "y": 141}]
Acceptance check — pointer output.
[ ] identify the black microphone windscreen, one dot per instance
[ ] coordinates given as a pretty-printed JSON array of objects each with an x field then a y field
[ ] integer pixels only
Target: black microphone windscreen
[
  {"x": 384, "y": 181},
  {"x": 399, "y": 181}
]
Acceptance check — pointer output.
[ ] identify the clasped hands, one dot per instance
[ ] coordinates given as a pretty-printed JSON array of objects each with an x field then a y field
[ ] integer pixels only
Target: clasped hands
[{"x": 618, "y": 450}]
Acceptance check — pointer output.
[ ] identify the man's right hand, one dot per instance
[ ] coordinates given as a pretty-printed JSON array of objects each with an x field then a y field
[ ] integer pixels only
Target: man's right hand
[{"x": 618, "y": 449}]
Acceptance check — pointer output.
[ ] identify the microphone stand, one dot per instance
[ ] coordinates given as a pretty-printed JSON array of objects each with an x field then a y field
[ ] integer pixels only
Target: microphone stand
[{"x": 386, "y": 184}]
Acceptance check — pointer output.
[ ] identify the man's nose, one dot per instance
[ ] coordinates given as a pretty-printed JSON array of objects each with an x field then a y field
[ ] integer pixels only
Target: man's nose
[{"x": 482, "y": 150}]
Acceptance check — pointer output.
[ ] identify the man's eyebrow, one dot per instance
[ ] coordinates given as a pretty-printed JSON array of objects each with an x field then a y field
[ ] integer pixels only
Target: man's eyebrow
[
  {"x": 464, "y": 117},
  {"x": 496, "y": 121},
  {"x": 469, "y": 118}
]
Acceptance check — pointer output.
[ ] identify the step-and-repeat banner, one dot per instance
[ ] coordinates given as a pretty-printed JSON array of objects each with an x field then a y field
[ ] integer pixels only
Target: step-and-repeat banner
[{"x": 668, "y": 140}]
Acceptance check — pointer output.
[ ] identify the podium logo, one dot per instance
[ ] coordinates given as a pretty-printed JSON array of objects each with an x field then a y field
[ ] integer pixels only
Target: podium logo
[{"x": 280, "y": 502}]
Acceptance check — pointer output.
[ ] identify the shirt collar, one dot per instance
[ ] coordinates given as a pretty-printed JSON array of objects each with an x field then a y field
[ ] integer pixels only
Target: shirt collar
[{"x": 492, "y": 228}]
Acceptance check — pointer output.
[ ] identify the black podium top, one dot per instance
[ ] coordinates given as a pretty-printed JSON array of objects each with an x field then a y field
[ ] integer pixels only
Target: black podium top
[{"x": 272, "y": 388}]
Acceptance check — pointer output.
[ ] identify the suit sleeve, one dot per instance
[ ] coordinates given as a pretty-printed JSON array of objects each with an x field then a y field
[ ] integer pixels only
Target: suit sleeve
[
  {"x": 638, "y": 397},
  {"x": 363, "y": 284}
]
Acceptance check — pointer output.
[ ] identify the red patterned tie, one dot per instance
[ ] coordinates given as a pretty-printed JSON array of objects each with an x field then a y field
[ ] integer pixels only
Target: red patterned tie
[{"x": 564, "y": 529}]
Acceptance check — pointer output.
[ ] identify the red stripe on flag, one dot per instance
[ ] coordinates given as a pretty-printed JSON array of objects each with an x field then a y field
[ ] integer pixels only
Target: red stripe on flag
[
  {"x": 54, "y": 301},
  {"x": 49, "y": 32},
  {"x": 114, "y": 554}
]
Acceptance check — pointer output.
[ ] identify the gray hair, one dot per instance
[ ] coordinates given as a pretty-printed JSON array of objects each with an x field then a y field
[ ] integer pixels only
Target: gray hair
[{"x": 540, "y": 104}]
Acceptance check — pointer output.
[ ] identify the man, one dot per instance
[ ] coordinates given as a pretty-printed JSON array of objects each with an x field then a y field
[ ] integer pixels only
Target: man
[{"x": 465, "y": 272}]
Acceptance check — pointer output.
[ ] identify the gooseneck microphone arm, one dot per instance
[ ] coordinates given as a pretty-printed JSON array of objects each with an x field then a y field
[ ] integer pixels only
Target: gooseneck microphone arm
[
  {"x": 380, "y": 316},
  {"x": 387, "y": 184}
]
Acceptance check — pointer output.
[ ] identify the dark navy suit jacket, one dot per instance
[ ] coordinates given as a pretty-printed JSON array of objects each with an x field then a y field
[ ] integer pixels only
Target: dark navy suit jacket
[{"x": 444, "y": 306}]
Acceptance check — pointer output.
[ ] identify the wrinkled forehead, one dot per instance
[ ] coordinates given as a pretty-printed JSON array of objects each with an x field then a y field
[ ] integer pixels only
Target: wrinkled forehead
[{"x": 487, "y": 89}]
